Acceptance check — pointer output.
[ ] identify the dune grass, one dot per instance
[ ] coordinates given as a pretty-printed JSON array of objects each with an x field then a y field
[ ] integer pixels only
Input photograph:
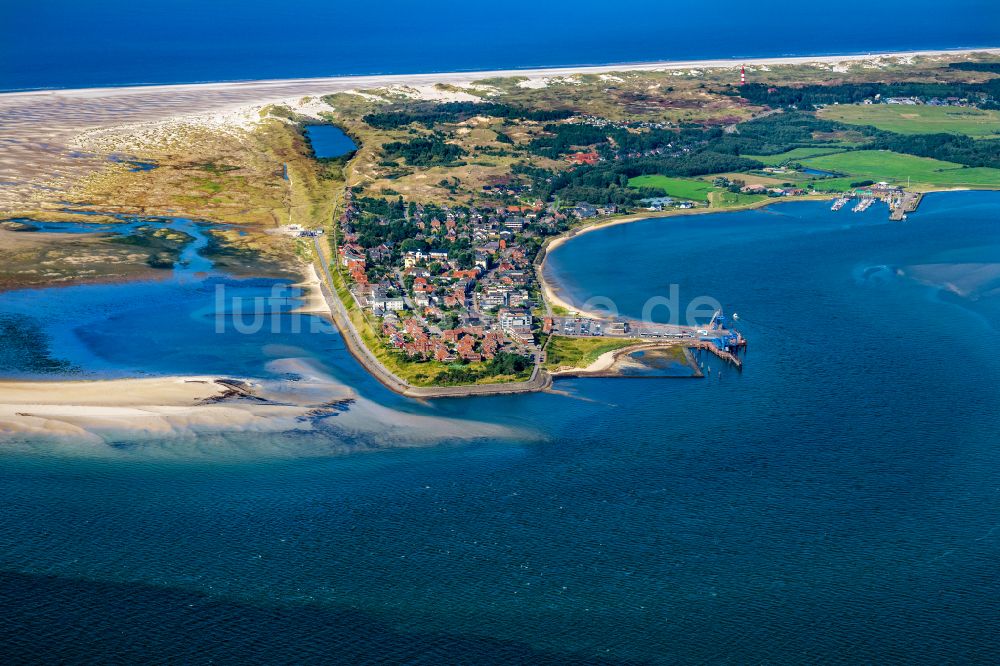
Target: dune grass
[{"x": 566, "y": 352}]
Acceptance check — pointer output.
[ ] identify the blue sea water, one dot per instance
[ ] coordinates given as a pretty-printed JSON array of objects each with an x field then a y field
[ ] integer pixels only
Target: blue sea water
[
  {"x": 836, "y": 501},
  {"x": 68, "y": 44}
]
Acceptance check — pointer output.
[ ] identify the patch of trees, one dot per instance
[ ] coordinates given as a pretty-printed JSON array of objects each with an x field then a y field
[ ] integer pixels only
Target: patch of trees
[
  {"x": 505, "y": 363},
  {"x": 808, "y": 96},
  {"x": 561, "y": 139},
  {"x": 948, "y": 147},
  {"x": 381, "y": 221},
  {"x": 430, "y": 114},
  {"x": 566, "y": 138},
  {"x": 607, "y": 182},
  {"x": 696, "y": 163},
  {"x": 993, "y": 67},
  {"x": 371, "y": 233},
  {"x": 425, "y": 151},
  {"x": 775, "y": 134},
  {"x": 389, "y": 209}
]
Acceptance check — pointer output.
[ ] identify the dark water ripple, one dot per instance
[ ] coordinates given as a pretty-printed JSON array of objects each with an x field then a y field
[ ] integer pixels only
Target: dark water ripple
[
  {"x": 141, "y": 624},
  {"x": 837, "y": 502}
]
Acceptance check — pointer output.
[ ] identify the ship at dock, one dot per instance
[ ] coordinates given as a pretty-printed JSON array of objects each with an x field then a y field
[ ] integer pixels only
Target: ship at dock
[
  {"x": 899, "y": 200},
  {"x": 863, "y": 205},
  {"x": 839, "y": 203}
]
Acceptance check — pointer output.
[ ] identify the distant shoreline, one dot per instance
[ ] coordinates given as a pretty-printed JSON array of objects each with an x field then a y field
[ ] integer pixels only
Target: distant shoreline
[
  {"x": 551, "y": 289},
  {"x": 376, "y": 80}
]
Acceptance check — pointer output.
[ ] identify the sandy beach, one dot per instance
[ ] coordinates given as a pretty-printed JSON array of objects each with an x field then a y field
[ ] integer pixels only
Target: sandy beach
[
  {"x": 83, "y": 409},
  {"x": 52, "y": 137},
  {"x": 379, "y": 80},
  {"x": 100, "y": 412},
  {"x": 312, "y": 301},
  {"x": 609, "y": 363}
]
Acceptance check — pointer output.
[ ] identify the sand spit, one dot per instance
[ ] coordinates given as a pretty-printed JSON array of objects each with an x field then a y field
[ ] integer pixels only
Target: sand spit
[
  {"x": 94, "y": 415},
  {"x": 85, "y": 409}
]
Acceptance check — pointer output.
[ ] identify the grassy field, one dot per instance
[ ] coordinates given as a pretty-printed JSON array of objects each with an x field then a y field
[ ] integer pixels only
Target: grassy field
[
  {"x": 680, "y": 188},
  {"x": 727, "y": 199},
  {"x": 835, "y": 184},
  {"x": 906, "y": 119},
  {"x": 794, "y": 155},
  {"x": 881, "y": 165},
  {"x": 565, "y": 352},
  {"x": 770, "y": 180}
]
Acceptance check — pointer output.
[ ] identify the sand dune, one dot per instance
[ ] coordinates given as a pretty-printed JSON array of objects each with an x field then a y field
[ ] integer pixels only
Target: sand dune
[{"x": 49, "y": 138}]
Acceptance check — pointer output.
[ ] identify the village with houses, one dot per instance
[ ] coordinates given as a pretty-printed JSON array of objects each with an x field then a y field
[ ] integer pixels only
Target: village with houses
[
  {"x": 448, "y": 206},
  {"x": 462, "y": 287}
]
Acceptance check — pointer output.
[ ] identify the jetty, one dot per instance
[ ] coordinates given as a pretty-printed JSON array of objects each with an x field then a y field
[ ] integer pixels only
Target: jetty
[
  {"x": 715, "y": 337},
  {"x": 904, "y": 204},
  {"x": 900, "y": 201},
  {"x": 724, "y": 354}
]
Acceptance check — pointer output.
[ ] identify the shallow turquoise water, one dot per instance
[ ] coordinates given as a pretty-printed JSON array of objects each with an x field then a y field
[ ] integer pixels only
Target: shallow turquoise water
[{"x": 837, "y": 501}]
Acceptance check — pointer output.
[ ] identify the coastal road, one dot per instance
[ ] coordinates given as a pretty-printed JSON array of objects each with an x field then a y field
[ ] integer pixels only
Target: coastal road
[{"x": 539, "y": 380}]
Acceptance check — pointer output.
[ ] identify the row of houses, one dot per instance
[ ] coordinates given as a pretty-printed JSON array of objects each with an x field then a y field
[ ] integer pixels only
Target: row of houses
[
  {"x": 421, "y": 293},
  {"x": 469, "y": 343},
  {"x": 772, "y": 191}
]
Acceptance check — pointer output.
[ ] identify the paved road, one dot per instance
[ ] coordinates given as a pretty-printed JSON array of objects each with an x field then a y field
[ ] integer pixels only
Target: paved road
[{"x": 539, "y": 380}]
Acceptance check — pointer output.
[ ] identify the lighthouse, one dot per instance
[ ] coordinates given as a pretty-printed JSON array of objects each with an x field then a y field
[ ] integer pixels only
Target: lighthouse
[{"x": 743, "y": 75}]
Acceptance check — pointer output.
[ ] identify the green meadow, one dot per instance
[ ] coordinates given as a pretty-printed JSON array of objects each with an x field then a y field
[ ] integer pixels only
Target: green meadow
[
  {"x": 680, "y": 188},
  {"x": 918, "y": 119},
  {"x": 836, "y": 184},
  {"x": 793, "y": 155},
  {"x": 726, "y": 199},
  {"x": 879, "y": 165}
]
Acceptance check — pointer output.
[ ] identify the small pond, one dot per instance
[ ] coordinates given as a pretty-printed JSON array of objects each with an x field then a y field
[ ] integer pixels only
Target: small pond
[{"x": 329, "y": 141}]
